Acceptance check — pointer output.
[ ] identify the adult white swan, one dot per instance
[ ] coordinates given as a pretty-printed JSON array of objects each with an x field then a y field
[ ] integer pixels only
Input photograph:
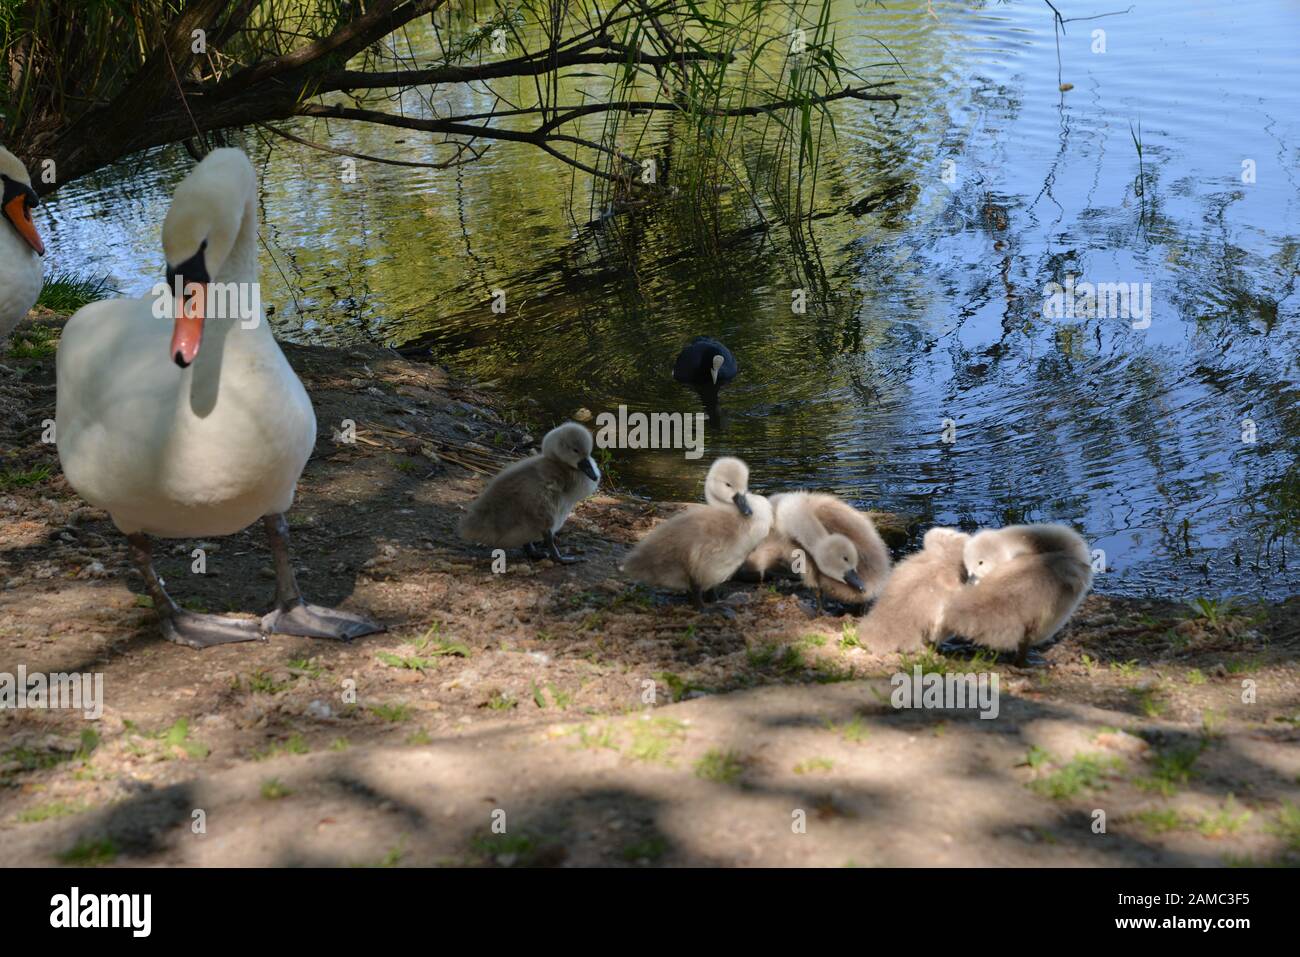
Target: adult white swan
[
  {"x": 21, "y": 248},
  {"x": 178, "y": 441}
]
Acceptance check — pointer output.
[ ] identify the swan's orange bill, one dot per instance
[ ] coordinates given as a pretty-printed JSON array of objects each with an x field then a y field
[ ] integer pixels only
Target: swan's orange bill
[
  {"x": 188, "y": 331},
  {"x": 17, "y": 212}
]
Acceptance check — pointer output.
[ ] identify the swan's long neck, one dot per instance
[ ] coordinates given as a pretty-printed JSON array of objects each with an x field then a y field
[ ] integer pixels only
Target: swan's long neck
[
  {"x": 241, "y": 263},
  {"x": 229, "y": 343}
]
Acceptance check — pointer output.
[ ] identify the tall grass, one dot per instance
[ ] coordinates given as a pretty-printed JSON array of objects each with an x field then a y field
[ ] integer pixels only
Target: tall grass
[{"x": 67, "y": 291}]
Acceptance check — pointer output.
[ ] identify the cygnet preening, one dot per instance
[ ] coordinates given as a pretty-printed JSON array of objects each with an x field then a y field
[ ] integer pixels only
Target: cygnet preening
[
  {"x": 832, "y": 561},
  {"x": 908, "y": 612},
  {"x": 529, "y": 501},
  {"x": 807, "y": 518},
  {"x": 701, "y": 546},
  {"x": 1026, "y": 582}
]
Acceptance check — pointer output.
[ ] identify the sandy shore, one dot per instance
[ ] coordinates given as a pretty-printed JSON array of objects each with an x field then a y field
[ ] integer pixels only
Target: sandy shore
[{"x": 599, "y": 723}]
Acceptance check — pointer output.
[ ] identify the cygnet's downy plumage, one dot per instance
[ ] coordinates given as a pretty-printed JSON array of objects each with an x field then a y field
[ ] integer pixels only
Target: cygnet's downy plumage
[
  {"x": 701, "y": 546},
  {"x": 908, "y": 612},
  {"x": 808, "y": 519},
  {"x": 529, "y": 501},
  {"x": 773, "y": 554},
  {"x": 1025, "y": 583}
]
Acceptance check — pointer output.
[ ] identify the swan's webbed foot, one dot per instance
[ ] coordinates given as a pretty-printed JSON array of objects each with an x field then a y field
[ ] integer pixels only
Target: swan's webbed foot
[
  {"x": 534, "y": 552},
  {"x": 188, "y": 628},
  {"x": 293, "y": 615},
  {"x": 203, "y": 631},
  {"x": 554, "y": 551},
  {"x": 314, "y": 621}
]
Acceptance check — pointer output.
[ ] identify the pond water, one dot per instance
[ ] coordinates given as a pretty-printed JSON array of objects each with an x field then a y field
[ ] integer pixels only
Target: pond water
[{"x": 940, "y": 226}]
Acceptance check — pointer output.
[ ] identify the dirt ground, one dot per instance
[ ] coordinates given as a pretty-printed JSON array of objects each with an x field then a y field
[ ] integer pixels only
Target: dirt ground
[{"x": 560, "y": 715}]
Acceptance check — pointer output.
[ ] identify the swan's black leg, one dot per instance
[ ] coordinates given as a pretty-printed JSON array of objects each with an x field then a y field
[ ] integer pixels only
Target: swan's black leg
[
  {"x": 554, "y": 551},
  {"x": 293, "y": 615},
  {"x": 534, "y": 551},
  {"x": 184, "y": 627},
  {"x": 1022, "y": 654},
  {"x": 697, "y": 599}
]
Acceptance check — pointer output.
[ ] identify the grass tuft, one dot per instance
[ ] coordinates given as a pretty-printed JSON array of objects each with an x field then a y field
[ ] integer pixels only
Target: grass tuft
[
  {"x": 720, "y": 766},
  {"x": 1171, "y": 768},
  {"x": 392, "y": 713},
  {"x": 68, "y": 292},
  {"x": 814, "y": 766},
  {"x": 23, "y": 478},
  {"x": 33, "y": 342},
  {"x": 50, "y": 810},
  {"x": 854, "y": 730},
  {"x": 1086, "y": 772},
  {"x": 1287, "y": 825},
  {"x": 274, "y": 790},
  {"x": 90, "y": 853}
]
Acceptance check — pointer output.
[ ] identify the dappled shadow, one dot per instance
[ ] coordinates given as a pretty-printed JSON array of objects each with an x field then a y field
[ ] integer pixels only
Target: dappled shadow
[
  {"x": 374, "y": 529},
  {"x": 906, "y": 788}
]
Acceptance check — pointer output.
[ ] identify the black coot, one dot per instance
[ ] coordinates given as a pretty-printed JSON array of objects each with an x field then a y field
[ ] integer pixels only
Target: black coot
[
  {"x": 696, "y": 363},
  {"x": 706, "y": 365}
]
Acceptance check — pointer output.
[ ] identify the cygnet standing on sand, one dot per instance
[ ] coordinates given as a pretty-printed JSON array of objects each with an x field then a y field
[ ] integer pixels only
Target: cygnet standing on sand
[
  {"x": 529, "y": 501},
  {"x": 1026, "y": 582},
  {"x": 811, "y": 520},
  {"x": 908, "y": 613},
  {"x": 701, "y": 546}
]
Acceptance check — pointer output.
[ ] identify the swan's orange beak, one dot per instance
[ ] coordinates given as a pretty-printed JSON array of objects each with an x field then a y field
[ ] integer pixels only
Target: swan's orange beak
[
  {"x": 18, "y": 211},
  {"x": 187, "y": 334}
]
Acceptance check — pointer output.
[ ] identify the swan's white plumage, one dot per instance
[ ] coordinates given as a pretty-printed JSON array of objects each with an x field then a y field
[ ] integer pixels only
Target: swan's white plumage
[
  {"x": 20, "y": 266},
  {"x": 201, "y": 451}
]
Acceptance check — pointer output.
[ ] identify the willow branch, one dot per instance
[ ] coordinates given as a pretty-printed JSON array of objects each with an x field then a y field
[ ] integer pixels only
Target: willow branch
[{"x": 461, "y": 149}]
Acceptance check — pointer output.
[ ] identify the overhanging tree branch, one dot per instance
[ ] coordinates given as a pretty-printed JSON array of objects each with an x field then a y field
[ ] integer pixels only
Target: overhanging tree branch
[
  {"x": 264, "y": 64},
  {"x": 461, "y": 149}
]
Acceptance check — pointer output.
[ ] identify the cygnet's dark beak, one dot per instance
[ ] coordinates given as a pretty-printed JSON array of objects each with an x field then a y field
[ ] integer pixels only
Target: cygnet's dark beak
[
  {"x": 588, "y": 468},
  {"x": 742, "y": 504},
  {"x": 851, "y": 578}
]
